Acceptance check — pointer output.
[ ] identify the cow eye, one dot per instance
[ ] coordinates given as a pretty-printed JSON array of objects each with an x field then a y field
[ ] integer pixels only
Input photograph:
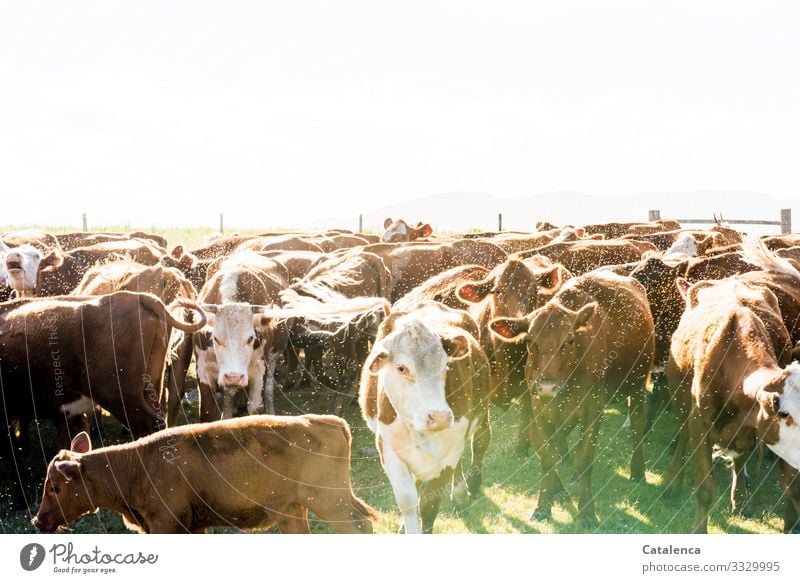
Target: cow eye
[
  {"x": 217, "y": 340},
  {"x": 402, "y": 369},
  {"x": 56, "y": 489},
  {"x": 250, "y": 340},
  {"x": 783, "y": 414}
]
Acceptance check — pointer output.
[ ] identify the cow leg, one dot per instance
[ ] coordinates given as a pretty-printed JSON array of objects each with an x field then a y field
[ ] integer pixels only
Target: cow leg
[
  {"x": 431, "y": 499},
  {"x": 480, "y": 445},
  {"x": 551, "y": 488},
  {"x": 673, "y": 479},
  {"x": 525, "y": 417},
  {"x": 269, "y": 386},
  {"x": 739, "y": 485},
  {"x": 790, "y": 484},
  {"x": 404, "y": 487},
  {"x": 636, "y": 411},
  {"x": 292, "y": 360},
  {"x": 459, "y": 491},
  {"x": 584, "y": 459},
  {"x": 209, "y": 409},
  {"x": 176, "y": 378},
  {"x": 257, "y": 387},
  {"x": 294, "y": 520},
  {"x": 228, "y": 398},
  {"x": 705, "y": 485}
]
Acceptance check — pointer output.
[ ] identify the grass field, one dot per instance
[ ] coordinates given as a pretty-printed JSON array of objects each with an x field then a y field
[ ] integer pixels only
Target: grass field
[{"x": 508, "y": 495}]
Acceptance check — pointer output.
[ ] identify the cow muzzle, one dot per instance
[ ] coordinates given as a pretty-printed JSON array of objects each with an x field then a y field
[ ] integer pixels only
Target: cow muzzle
[
  {"x": 45, "y": 523},
  {"x": 546, "y": 389},
  {"x": 234, "y": 380},
  {"x": 438, "y": 420}
]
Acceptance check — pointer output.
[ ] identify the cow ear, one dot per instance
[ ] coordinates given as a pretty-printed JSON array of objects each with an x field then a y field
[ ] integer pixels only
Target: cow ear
[
  {"x": 177, "y": 251},
  {"x": 70, "y": 469},
  {"x": 475, "y": 292},
  {"x": 52, "y": 260},
  {"x": 424, "y": 230},
  {"x": 456, "y": 347},
  {"x": 81, "y": 443},
  {"x": 387, "y": 222},
  {"x": 683, "y": 288},
  {"x": 584, "y": 314},
  {"x": 510, "y": 329},
  {"x": 580, "y": 232},
  {"x": 263, "y": 322},
  {"x": 375, "y": 361},
  {"x": 549, "y": 280},
  {"x": 770, "y": 401}
]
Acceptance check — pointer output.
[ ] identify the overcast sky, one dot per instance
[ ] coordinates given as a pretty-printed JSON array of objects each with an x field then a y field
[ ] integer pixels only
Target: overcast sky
[{"x": 274, "y": 112}]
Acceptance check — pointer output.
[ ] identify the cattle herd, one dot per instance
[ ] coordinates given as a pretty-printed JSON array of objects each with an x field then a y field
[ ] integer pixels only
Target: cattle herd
[{"x": 426, "y": 332}]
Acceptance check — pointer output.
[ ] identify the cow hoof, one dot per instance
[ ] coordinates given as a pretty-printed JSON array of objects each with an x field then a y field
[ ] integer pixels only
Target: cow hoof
[
  {"x": 474, "y": 481},
  {"x": 460, "y": 497},
  {"x": 541, "y": 514},
  {"x": 588, "y": 522},
  {"x": 522, "y": 447},
  {"x": 638, "y": 478}
]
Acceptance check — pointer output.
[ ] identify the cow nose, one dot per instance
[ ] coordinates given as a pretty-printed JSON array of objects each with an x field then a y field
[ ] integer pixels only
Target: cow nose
[
  {"x": 438, "y": 420},
  {"x": 233, "y": 379},
  {"x": 35, "y": 521}
]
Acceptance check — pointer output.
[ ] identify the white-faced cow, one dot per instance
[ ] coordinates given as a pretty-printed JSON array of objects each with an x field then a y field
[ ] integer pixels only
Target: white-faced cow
[
  {"x": 399, "y": 231},
  {"x": 239, "y": 348},
  {"x": 22, "y": 266},
  {"x": 424, "y": 392}
]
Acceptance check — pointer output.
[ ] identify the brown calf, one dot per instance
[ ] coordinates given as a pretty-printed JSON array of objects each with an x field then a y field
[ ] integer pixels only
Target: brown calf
[{"x": 242, "y": 473}]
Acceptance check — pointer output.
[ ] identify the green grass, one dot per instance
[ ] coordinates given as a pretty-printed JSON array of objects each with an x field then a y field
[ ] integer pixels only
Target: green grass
[{"x": 508, "y": 494}]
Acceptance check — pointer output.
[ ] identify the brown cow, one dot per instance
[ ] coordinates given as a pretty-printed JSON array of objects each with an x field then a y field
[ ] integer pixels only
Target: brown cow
[
  {"x": 580, "y": 257},
  {"x": 281, "y": 243},
  {"x": 193, "y": 269},
  {"x": 298, "y": 264},
  {"x": 399, "y": 231},
  {"x": 411, "y": 264},
  {"x": 781, "y": 241},
  {"x": 164, "y": 282},
  {"x": 219, "y": 247},
  {"x": 591, "y": 342},
  {"x": 44, "y": 242},
  {"x": 511, "y": 290},
  {"x": 725, "y": 374},
  {"x": 61, "y": 354},
  {"x": 242, "y": 473},
  {"x": 443, "y": 288}
]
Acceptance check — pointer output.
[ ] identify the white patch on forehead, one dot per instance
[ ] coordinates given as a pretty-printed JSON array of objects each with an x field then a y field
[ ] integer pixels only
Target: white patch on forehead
[
  {"x": 684, "y": 245},
  {"x": 228, "y": 285},
  {"x": 788, "y": 445},
  {"x": 396, "y": 228}
]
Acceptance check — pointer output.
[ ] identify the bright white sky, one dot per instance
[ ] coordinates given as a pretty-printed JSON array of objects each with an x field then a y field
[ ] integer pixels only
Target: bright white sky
[{"x": 278, "y": 112}]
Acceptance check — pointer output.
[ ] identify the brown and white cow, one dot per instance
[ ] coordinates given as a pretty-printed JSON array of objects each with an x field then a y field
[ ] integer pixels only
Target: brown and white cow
[
  {"x": 242, "y": 473},
  {"x": 582, "y": 256},
  {"x": 728, "y": 371},
  {"x": 399, "y": 231},
  {"x": 239, "y": 348},
  {"x": 592, "y": 342},
  {"x": 443, "y": 288},
  {"x": 21, "y": 267},
  {"x": 44, "y": 242},
  {"x": 424, "y": 393}
]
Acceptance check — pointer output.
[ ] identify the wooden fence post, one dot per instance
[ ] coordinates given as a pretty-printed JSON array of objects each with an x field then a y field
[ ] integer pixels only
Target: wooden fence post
[
  {"x": 360, "y": 223},
  {"x": 654, "y": 215},
  {"x": 499, "y": 222},
  {"x": 221, "y": 225},
  {"x": 85, "y": 223},
  {"x": 786, "y": 221}
]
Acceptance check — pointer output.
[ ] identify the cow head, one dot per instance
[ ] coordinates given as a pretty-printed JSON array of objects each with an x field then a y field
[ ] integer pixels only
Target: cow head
[
  {"x": 411, "y": 364},
  {"x": 238, "y": 331},
  {"x": 516, "y": 287},
  {"x": 555, "y": 337},
  {"x": 65, "y": 496},
  {"x": 22, "y": 267},
  {"x": 401, "y": 232},
  {"x": 778, "y": 397},
  {"x": 50, "y": 272}
]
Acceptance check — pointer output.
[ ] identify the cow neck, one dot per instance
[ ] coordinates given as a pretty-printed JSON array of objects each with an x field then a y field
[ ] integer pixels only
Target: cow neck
[{"x": 111, "y": 482}]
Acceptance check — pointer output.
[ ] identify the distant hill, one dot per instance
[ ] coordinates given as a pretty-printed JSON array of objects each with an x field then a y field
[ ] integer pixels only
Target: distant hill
[{"x": 461, "y": 211}]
